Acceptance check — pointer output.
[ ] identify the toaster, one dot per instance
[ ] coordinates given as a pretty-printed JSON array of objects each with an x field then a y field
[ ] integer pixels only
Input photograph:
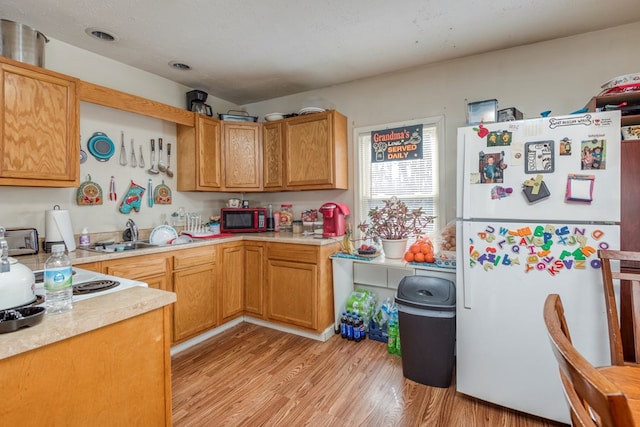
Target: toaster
[{"x": 22, "y": 241}]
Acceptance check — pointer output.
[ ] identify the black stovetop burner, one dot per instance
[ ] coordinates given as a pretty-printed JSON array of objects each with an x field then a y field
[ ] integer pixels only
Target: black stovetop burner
[{"x": 94, "y": 286}]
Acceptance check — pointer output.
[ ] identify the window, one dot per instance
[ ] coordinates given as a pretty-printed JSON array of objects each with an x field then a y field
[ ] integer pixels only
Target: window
[{"x": 416, "y": 181}]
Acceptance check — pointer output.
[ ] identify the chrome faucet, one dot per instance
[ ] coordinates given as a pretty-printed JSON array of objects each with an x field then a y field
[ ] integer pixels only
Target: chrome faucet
[{"x": 133, "y": 229}]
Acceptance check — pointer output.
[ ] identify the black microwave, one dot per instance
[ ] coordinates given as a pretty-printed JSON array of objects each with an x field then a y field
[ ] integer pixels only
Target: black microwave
[{"x": 243, "y": 220}]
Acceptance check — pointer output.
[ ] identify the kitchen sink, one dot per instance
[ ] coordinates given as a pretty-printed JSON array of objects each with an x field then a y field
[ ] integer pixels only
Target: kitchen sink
[{"x": 121, "y": 246}]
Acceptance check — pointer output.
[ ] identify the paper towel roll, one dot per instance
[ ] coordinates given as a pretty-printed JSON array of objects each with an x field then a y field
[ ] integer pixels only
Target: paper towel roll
[{"x": 57, "y": 228}]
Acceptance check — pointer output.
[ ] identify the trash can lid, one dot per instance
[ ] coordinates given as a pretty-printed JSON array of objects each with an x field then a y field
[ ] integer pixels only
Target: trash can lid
[{"x": 427, "y": 292}]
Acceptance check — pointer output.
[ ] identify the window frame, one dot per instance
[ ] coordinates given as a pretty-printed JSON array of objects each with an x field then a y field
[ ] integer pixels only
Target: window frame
[{"x": 439, "y": 157}]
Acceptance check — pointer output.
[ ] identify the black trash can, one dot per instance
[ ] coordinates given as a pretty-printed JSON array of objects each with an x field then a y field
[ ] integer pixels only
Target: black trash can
[{"x": 427, "y": 323}]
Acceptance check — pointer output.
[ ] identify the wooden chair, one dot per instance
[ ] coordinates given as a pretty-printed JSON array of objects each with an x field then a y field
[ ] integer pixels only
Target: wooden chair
[
  {"x": 593, "y": 399},
  {"x": 624, "y": 324}
]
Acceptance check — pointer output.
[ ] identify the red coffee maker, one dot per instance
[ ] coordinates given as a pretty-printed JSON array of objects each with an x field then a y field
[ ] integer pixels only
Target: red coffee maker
[{"x": 333, "y": 216}]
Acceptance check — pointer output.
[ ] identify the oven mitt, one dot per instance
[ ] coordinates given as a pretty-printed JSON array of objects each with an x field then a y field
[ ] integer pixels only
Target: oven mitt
[{"x": 132, "y": 198}]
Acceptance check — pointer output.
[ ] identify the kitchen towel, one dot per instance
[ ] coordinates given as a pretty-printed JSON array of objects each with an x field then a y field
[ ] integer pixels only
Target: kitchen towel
[{"x": 57, "y": 224}]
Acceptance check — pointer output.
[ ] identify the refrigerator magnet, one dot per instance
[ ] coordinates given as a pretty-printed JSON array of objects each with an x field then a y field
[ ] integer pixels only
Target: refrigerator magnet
[
  {"x": 580, "y": 188},
  {"x": 539, "y": 157},
  {"x": 535, "y": 189}
]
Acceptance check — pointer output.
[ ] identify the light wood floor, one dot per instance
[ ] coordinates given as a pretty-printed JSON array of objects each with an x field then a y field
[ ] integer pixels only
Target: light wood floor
[{"x": 256, "y": 376}]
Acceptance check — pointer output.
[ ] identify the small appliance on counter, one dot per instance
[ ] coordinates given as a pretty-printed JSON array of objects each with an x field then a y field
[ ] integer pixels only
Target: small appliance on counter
[
  {"x": 22, "y": 241},
  {"x": 196, "y": 102},
  {"x": 243, "y": 220},
  {"x": 17, "y": 281},
  {"x": 333, "y": 214}
]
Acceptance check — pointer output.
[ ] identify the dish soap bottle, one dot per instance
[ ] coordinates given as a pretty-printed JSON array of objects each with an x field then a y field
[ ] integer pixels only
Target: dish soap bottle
[
  {"x": 84, "y": 240},
  {"x": 58, "y": 281}
]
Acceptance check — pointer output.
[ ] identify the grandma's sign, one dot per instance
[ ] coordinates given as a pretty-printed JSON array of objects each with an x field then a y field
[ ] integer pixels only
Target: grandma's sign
[{"x": 389, "y": 145}]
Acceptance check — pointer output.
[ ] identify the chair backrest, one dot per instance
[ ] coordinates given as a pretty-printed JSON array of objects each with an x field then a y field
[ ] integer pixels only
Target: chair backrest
[
  {"x": 622, "y": 340},
  {"x": 593, "y": 399}
]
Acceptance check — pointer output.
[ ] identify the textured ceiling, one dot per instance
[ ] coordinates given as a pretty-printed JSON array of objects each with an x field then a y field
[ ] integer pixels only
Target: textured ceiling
[{"x": 251, "y": 50}]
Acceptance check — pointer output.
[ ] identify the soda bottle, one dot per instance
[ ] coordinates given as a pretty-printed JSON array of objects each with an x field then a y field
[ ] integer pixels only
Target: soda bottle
[
  {"x": 356, "y": 328},
  {"x": 391, "y": 341},
  {"x": 343, "y": 324},
  {"x": 58, "y": 277},
  {"x": 363, "y": 330},
  {"x": 349, "y": 326}
]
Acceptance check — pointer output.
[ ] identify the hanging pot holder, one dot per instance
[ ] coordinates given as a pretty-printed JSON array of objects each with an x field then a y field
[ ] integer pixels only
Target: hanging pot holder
[
  {"x": 162, "y": 194},
  {"x": 89, "y": 193},
  {"x": 132, "y": 198}
]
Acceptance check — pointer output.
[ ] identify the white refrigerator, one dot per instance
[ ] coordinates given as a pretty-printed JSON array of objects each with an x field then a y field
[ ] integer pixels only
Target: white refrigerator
[{"x": 536, "y": 200}]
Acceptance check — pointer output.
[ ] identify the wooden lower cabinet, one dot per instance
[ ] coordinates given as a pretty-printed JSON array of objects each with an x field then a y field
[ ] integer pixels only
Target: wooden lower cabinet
[
  {"x": 299, "y": 285},
  {"x": 195, "y": 285},
  {"x": 291, "y": 284},
  {"x": 254, "y": 279},
  {"x": 231, "y": 280},
  {"x": 118, "y": 375},
  {"x": 151, "y": 269}
]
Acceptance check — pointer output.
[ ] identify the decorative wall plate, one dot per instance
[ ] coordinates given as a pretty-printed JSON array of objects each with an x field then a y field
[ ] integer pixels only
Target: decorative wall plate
[
  {"x": 89, "y": 193},
  {"x": 162, "y": 194}
]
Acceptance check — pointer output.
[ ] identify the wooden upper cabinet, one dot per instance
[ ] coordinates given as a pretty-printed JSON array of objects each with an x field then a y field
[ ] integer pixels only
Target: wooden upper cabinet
[
  {"x": 315, "y": 152},
  {"x": 272, "y": 139},
  {"x": 242, "y": 154},
  {"x": 200, "y": 155},
  {"x": 39, "y": 129}
]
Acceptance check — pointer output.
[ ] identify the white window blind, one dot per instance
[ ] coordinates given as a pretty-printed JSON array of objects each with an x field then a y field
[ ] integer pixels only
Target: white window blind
[{"x": 413, "y": 181}]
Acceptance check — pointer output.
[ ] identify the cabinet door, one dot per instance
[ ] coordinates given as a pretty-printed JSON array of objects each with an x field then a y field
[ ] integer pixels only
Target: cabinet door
[
  {"x": 195, "y": 310},
  {"x": 315, "y": 151},
  {"x": 242, "y": 154},
  {"x": 232, "y": 280},
  {"x": 272, "y": 140},
  {"x": 292, "y": 292},
  {"x": 39, "y": 132},
  {"x": 253, "y": 278},
  {"x": 199, "y": 155}
]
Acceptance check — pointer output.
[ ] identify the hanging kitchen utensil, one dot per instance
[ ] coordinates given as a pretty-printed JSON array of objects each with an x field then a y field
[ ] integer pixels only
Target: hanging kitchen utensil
[
  {"x": 169, "y": 171},
  {"x": 101, "y": 147},
  {"x": 112, "y": 189},
  {"x": 89, "y": 193},
  {"x": 150, "y": 193},
  {"x": 132, "y": 199},
  {"x": 161, "y": 165},
  {"x": 123, "y": 151},
  {"x": 83, "y": 154},
  {"x": 152, "y": 170},
  {"x": 162, "y": 194},
  {"x": 141, "y": 163},
  {"x": 134, "y": 163}
]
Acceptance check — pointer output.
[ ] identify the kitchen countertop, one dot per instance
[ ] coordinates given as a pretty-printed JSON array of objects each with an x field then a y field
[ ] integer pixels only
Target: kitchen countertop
[
  {"x": 81, "y": 256},
  {"x": 86, "y": 315}
]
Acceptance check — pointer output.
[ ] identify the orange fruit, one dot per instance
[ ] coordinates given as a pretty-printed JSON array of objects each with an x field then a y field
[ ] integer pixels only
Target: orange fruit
[
  {"x": 415, "y": 248},
  {"x": 429, "y": 258},
  {"x": 408, "y": 256},
  {"x": 419, "y": 257},
  {"x": 426, "y": 249}
]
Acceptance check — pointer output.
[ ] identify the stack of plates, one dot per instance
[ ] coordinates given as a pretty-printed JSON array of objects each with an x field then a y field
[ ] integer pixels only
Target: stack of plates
[
  {"x": 273, "y": 117},
  {"x": 310, "y": 110},
  {"x": 162, "y": 235}
]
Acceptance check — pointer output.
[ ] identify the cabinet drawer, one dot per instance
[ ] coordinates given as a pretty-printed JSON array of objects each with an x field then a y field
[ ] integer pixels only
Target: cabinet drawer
[
  {"x": 379, "y": 275},
  {"x": 186, "y": 259},
  {"x": 366, "y": 274},
  {"x": 296, "y": 253},
  {"x": 133, "y": 268}
]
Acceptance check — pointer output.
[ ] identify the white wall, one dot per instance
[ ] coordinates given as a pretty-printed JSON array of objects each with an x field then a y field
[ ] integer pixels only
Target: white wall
[{"x": 559, "y": 75}]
